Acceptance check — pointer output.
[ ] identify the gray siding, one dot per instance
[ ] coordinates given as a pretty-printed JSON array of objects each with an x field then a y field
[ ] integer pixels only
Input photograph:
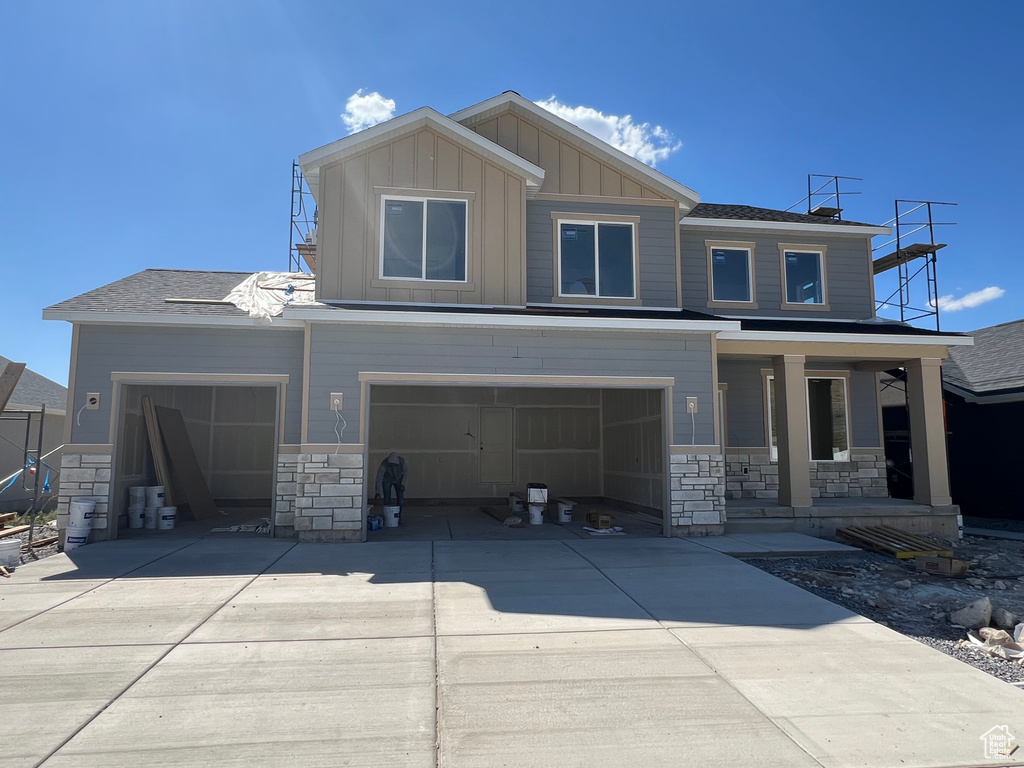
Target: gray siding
[
  {"x": 847, "y": 272},
  {"x": 745, "y": 403},
  {"x": 657, "y": 246},
  {"x": 103, "y": 349},
  {"x": 339, "y": 354}
]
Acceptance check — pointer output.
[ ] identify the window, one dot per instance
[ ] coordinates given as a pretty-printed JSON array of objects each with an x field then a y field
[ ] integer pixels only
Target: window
[
  {"x": 423, "y": 239},
  {"x": 596, "y": 258},
  {"x": 804, "y": 276},
  {"x": 827, "y": 422},
  {"x": 731, "y": 273}
]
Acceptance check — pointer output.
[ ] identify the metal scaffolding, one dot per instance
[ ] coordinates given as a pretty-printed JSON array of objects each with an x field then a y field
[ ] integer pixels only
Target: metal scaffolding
[
  {"x": 825, "y": 199},
  {"x": 302, "y": 229}
]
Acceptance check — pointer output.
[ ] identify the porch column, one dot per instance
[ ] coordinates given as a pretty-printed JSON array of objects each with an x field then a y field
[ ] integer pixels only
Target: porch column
[
  {"x": 927, "y": 432},
  {"x": 791, "y": 431}
]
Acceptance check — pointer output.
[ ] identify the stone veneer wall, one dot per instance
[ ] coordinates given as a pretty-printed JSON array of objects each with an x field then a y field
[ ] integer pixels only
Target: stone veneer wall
[
  {"x": 862, "y": 476},
  {"x": 697, "y": 485},
  {"x": 320, "y": 496},
  {"x": 84, "y": 475}
]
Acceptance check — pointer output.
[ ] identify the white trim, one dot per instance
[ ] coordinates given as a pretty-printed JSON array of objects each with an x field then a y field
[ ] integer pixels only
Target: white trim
[
  {"x": 750, "y": 266},
  {"x": 446, "y": 320},
  {"x": 687, "y": 197},
  {"x": 979, "y": 398},
  {"x": 384, "y": 198},
  {"x": 810, "y": 250},
  {"x": 773, "y": 451},
  {"x": 511, "y": 379},
  {"x": 597, "y": 257},
  {"x": 312, "y": 161},
  {"x": 94, "y": 317},
  {"x": 845, "y": 338},
  {"x": 839, "y": 229}
]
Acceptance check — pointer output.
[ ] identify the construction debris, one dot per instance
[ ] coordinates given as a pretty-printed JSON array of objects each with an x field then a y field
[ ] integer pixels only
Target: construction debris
[{"x": 998, "y": 643}]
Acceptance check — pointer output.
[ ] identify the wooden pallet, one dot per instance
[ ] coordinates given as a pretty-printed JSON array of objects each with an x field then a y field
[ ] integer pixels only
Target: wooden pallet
[{"x": 892, "y": 541}]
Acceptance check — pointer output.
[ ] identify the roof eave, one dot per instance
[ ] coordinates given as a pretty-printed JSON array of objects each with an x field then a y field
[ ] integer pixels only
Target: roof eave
[{"x": 839, "y": 229}]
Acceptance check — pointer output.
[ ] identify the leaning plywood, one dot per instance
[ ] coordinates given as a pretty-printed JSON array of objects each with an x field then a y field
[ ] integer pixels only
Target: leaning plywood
[
  {"x": 189, "y": 483},
  {"x": 156, "y": 448},
  {"x": 8, "y": 381}
]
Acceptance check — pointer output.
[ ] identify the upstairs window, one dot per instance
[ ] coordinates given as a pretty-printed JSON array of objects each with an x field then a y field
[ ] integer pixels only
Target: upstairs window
[
  {"x": 423, "y": 239},
  {"x": 596, "y": 258},
  {"x": 731, "y": 275},
  {"x": 804, "y": 276}
]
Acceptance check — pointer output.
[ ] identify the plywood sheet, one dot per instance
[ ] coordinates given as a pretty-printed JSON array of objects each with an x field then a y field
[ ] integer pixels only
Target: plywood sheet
[{"x": 187, "y": 478}]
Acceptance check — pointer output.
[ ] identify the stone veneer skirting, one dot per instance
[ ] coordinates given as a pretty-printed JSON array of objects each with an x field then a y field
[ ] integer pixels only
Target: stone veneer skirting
[
  {"x": 320, "y": 496},
  {"x": 84, "y": 476},
  {"x": 862, "y": 476},
  {"x": 697, "y": 485}
]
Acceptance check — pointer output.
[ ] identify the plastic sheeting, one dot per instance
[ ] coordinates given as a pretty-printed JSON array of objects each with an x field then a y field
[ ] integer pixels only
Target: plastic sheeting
[{"x": 264, "y": 295}]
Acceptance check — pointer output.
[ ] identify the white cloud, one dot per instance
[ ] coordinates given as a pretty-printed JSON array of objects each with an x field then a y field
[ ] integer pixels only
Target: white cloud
[
  {"x": 364, "y": 110},
  {"x": 648, "y": 144},
  {"x": 973, "y": 299}
]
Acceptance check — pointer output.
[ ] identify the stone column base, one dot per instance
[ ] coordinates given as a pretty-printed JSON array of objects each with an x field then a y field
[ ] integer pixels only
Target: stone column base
[
  {"x": 697, "y": 485},
  {"x": 85, "y": 474},
  {"x": 320, "y": 496}
]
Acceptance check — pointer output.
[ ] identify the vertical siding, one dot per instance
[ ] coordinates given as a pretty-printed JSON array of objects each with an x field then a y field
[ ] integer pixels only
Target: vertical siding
[{"x": 657, "y": 248}]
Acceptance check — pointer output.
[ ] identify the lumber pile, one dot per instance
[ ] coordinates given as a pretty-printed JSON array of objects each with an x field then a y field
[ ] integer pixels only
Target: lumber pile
[{"x": 893, "y": 541}]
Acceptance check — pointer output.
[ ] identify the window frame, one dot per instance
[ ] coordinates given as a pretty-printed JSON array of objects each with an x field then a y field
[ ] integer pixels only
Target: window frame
[
  {"x": 384, "y": 198},
  {"x": 725, "y": 245},
  {"x": 591, "y": 219},
  {"x": 822, "y": 252},
  {"x": 768, "y": 375}
]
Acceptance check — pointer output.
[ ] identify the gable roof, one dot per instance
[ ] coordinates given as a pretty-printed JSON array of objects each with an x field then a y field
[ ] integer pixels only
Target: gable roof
[
  {"x": 510, "y": 100},
  {"x": 34, "y": 390},
  {"x": 995, "y": 364},
  {"x": 424, "y": 117}
]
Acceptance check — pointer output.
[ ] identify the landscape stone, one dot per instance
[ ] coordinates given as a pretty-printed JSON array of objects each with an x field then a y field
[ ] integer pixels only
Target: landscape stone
[
  {"x": 974, "y": 615},
  {"x": 1004, "y": 619}
]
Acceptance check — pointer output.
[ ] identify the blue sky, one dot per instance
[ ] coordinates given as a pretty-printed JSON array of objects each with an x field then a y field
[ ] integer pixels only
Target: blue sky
[{"x": 161, "y": 134}]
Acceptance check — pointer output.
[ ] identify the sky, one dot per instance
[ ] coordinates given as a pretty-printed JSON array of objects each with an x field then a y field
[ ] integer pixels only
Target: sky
[{"x": 161, "y": 134}]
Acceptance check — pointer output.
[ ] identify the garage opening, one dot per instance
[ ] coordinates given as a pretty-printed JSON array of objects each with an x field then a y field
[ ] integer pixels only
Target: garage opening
[
  {"x": 468, "y": 448},
  {"x": 231, "y": 430}
]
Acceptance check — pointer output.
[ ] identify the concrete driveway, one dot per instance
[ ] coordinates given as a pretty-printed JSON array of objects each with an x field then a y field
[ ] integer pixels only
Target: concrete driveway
[{"x": 620, "y": 652}]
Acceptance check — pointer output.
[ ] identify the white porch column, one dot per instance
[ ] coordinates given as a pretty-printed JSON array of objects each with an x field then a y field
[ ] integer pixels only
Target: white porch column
[
  {"x": 928, "y": 432},
  {"x": 791, "y": 430}
]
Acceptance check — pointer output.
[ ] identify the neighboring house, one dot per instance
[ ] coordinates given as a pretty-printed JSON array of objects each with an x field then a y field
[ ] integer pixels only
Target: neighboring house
[
  {"x": 20, "y": 421},
  {"x": 502, "y": 298}
]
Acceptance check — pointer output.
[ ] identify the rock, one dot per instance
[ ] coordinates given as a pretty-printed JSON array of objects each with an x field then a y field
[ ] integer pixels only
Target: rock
[
  {"x": 1004, "y": 619},
  {"x": 976, "y": 582},
  {"x": 974, "y": 615},
  {"x": 938, "y": 616},
  {"x": 999, "y": 584},
  {"x": 848, "y": 591},
  {"x": 904, "y": 584}
]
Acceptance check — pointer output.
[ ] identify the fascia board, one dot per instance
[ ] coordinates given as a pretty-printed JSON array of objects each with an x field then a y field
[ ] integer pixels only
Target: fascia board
[
  {"x": 846, "y": 338},
  {"x": 820, "y": 229},
  {"x": 687, "y": 197},
  {"x": 310, "y": 162},
  {"x": 473, "y": 320},
  {"x": 981, "y": 398},
  {"x": 139, "y": 318}
]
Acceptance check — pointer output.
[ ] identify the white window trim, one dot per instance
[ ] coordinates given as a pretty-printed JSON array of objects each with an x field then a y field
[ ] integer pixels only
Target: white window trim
[
  {"x": 721, "y": 245},
  {"x": 596, "y": 222},
  {"x": 423, "y": 243},
  {"x": 821, "y": 252},
  {"x": 773, "y": 451}
]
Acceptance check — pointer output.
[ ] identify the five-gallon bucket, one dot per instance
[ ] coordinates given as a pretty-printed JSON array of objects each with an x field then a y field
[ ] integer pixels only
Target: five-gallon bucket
[
  {"x": 150, "y": 517},
  {"x": 166, "y": 520},
  {"x": 537, "y": 513},
  {"x": 137, "y": 496},
  {"x": 392, "y": 515},
  {"x": 564, "y": 512},
  {"x": 81, "y": 512},
  {"x": 76, "y": 536},
  {"x": 10, "y": 552},
  {"x": 515, "y": 502},
  {"x": 136, "y": 517},
  {"x": 155, "y": 496}
]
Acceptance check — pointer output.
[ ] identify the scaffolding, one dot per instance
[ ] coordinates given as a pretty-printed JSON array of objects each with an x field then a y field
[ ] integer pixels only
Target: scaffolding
[
  {"x": 907, "y": 250},
  {"x": 825, "y": 199},
  {"x": 34, "y": 473},
  {"x": 302, "y": 229}
]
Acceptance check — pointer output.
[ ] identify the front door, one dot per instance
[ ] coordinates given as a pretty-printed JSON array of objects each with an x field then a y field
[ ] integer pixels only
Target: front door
[{"x": 496, "y": 445}]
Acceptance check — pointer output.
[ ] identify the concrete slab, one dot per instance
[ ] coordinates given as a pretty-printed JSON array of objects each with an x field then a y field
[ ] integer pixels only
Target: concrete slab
[
  {"x": 325, "y": 607},
  {"x": 54, "y": 692},
  {"x": 316, "y": 704},
  {"x": 103, "y": 560},
  {"x": 217, "y": 557},
  {"x": 772, "y": 544},
  {"x": 624, "y": 698},
  {"x": 463, "y": 556},
  {"x": 612, "y": 553},
  {"x": 19, "y": 602},
  {"x": 371, "y": 557},
  {"x": 994, "y": 534}
]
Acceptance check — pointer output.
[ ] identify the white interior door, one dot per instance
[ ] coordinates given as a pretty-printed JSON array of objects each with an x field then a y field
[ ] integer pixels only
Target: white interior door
[{"x": 496, "y": 445}]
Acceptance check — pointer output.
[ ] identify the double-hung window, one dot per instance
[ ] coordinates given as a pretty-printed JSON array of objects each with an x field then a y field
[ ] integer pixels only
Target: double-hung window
[
  {"x": 423, "y": 238},
  {"x": 803, "y": 277},
  {"x": 828, "y": 422},
  {"x": 596, "y": 258},
  {"x": 731, "y": 273}
]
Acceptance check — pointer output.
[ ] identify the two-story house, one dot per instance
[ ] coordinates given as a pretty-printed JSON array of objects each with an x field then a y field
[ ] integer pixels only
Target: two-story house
[{"x": 502, "y": 298}]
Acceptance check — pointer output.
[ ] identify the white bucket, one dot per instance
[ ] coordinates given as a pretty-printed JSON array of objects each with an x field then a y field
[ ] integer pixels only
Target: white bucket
[
  {"x": 136, "y": 517},
  {"x": 564, "y": 512},
  {"x": 137, "y": 496},
  {"x": 392, "y": 515},
  {"x": 537, "y": 513},
  {"x": 10, "y": 552},
  {"x": 81, "y": 512},
  {"x": 155, "y": 496},
  {"x": 150, "y": 516},
  {"x": 167, "y": 515},
  {"x": 515, "y": 503},
  {"x": 76, "y": 536}
]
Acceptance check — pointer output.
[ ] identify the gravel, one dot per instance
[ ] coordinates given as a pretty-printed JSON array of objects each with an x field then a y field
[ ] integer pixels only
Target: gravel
[
  {"x": 865, "y": 582},
  {"x": 994, "y": 523},
  {"x": 37, "y": 553}
]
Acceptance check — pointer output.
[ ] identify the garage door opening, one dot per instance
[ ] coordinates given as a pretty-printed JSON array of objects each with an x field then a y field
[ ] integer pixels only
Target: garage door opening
[
  {"x": 469, "y": 447},
  {"x": 231, "y": 430}
]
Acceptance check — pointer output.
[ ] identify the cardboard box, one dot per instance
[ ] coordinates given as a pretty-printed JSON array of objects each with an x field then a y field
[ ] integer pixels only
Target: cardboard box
[
  {"x": 942, "y": 566},
  {"x": 599, "y": 521}
]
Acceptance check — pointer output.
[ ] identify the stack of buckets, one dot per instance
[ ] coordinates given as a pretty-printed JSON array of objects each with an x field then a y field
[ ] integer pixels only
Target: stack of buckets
[
  {"x": 80, "y": 523},
  {"x": 146, "y": 508}
]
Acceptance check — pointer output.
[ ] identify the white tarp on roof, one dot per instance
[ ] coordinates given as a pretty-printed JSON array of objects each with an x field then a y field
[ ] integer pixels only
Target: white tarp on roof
[{"x": 266, "y": 294}]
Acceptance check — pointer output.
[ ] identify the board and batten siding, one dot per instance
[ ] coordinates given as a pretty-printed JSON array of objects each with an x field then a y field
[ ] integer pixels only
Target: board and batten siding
[
  {"x": 568, "y": 168},
  {"x": 745, "y": 402},
  {"x": 104, "y": 349},
  {"x": 348, "y": 239},
  {"x": 656, "y": 246},
  {"x": 339, "y": 353},
  {"x": 848, "y": 275}
]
